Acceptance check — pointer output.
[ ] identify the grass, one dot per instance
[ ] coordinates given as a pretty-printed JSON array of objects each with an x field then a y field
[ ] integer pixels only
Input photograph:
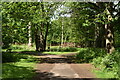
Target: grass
[
  {"x": 108, "y": 65},
  {"x": 18, "y": 70},
  {"x": 104, "y": 74},
  {"x": 56, "y": 50},
  {"x": 22, "y": 69},
  {"x": 63, "y": 52},
  {"x": 22, "y": 66},
  {"x": 23, "y": 47}
]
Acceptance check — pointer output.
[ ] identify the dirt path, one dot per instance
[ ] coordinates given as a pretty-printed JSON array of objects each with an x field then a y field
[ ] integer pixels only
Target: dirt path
[{"x": 60, "y": 67}]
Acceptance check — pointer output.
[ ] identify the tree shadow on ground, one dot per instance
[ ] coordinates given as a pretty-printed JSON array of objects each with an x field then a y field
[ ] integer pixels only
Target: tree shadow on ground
[
  {"x": 63, "y": 58},
  {"x": 50, "y": 76},
  {"x": 35, "y": 53},
  {"x": 57, "y": 60},
  {"x": 12, "y": 72},
  {"x": 23, "y": 73}
]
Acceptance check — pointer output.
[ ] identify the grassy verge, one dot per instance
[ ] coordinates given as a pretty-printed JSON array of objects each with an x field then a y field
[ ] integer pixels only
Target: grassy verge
[
  {"x": 107, "y": 64},
  {"x": 23, "y": 47},
  {"x": 18, "y": 70},
  {"x": 104, "y": 74},
  {"x": 21, "y": 67}
]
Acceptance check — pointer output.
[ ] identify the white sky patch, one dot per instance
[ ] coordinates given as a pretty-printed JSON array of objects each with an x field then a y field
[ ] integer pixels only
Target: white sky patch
[
  {"x": 60, "y": 12},
  {"x": 116, "y": 2}
]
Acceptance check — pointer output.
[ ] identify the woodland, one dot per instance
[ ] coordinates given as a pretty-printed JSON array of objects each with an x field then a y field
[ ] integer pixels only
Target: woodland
[{"x": 92, "y": 29}]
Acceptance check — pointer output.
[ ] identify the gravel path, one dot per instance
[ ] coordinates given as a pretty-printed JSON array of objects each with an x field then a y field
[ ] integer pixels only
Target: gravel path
[{"x": 57, "y": 67}]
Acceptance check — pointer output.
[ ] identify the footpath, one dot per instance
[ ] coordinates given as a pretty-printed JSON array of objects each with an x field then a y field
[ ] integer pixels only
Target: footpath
[{"x": 59, "y": 67}]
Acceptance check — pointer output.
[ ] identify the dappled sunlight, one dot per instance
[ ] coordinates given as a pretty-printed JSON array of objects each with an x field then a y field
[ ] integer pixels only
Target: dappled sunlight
[
  {"x": 13, "y": 71},
  {"x": 60, "y": 40}
]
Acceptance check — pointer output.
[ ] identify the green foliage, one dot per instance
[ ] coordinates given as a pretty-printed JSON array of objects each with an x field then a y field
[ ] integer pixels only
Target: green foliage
[
  {"x": 29, "y": 59},
  {"x": 19, "y": 71},
  {"x": 105, "y": 74},
  {"x": 18, "y": 66},
  {"x": 89, "y": 54},
  {"x": 21, "y": 47},
  {"x": 16, "y": 57},
  {"x": 109, "y": 63},
  {"x": 6, "y": 41},
  {"x": 10, "y": 57}
]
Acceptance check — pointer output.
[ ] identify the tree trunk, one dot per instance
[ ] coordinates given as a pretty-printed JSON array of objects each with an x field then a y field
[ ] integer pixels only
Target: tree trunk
[
  {"x": 41, "y": 37},
  {"x": 109, "y": 38},
  {"x": 37, "y": 40},
  {"x": 29, "y": 35},
  {"x": 42, "y": 40},
  {"x": 109, "y": 34},
  {"x": 62, "y": 36},
  {"x": 99, "y": 36},
  {"x": 46, "y": 34}
]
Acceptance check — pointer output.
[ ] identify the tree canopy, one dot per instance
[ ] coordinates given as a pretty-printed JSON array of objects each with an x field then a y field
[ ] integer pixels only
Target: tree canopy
[{"x": 86, "y": 24}]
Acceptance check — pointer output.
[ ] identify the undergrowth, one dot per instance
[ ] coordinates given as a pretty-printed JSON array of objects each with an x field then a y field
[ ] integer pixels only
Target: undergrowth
[
  {"x": 18, "y": 66},
  {"x": 107, "y": 64}
]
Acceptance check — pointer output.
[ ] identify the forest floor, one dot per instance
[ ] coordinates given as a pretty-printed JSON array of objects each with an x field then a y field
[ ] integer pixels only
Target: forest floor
[{"x": 62, "y": 67}]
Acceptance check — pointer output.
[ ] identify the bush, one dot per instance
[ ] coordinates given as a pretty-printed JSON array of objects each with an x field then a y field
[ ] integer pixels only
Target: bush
[
  {"x": 89, "y": 54},
  {"x": 105, "y": 62},
  {"x": 12, "y": 57},
  {"x": 110, "y": 62},
  {"x": 7, "y": 40}
]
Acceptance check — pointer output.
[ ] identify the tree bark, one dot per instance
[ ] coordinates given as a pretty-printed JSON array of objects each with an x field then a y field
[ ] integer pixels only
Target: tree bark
[
  {"x": 99, "y": 36},
  {"x": 109, "y": 38},
  {"x": 41, "y": 36},
  {"x": 109, "y": 34},
  {"x": 62, "y": 36},
  {"x": 37, "y": 40},
  {"x": 46, "y": 34},
  {"x": 29, "y": 35}
]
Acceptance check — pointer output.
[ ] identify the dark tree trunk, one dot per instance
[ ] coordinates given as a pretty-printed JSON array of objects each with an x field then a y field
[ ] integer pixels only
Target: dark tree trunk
[
  {"x": 37, "y": 41},
  {"x": 97, "y": 35},
  {"x": 100, "y": 39},
  {"x": 109, "y": 38},
  {"x": 46, "y": 34},
  {"x": 109, "y": 30},
  {"x": 42, "y": 40}
]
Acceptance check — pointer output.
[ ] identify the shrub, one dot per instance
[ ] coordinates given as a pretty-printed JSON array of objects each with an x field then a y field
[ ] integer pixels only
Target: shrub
[
  {"x": 69, "y": 49},
  {"x": 110, "y": 62},
  {"x": 105, "y": 62},
  {"x": 89, "y": 54},
  {"x": 12, "y": 57}
]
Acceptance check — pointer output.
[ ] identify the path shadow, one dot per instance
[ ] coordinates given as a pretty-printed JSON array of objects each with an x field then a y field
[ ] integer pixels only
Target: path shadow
[
  {"x": 50, "y": 76},
  {"x": 16, "y": 72},
  {"x": 63, "y": 58},
  {"x": 57, "y": 60},
  {"x": 35, "y": 53},
  {"x": 42, "y": 75}
]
